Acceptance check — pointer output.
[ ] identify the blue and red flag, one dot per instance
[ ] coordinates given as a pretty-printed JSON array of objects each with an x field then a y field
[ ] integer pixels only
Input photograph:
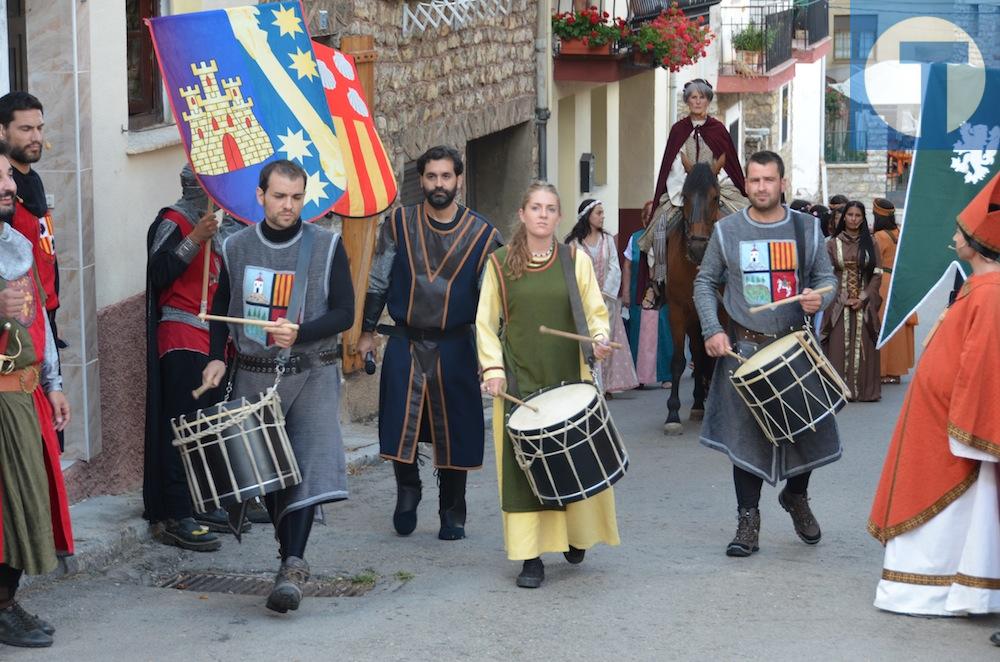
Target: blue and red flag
[
  {"x": 245, "y": 90},
  {"x": 371, "y": 185}
]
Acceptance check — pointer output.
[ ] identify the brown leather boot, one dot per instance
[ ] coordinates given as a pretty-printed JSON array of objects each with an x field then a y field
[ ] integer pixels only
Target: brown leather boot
[
  {"x": 747, "y": 533},
  {"x": 288, "y": 585},
  {"x": 797, "y": 505}
]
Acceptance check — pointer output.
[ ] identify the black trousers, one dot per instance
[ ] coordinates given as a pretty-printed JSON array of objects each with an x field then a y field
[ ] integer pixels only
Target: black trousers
[
  {"x": 9, "y": 579},
  {"x": 180, "y": 373},
  {"x": 748, "y": 486},
  {"x": 293, "y": 530}
]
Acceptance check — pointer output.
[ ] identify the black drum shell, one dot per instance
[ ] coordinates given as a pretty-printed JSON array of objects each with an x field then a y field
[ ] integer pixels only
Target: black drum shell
[
  {"x": 795, "y": 388},
  {"x": 231, "y": 442},
  {"x": 563, "y": 446}
]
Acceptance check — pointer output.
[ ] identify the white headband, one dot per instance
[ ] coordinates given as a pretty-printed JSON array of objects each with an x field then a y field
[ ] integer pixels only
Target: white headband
[{"x": 586, "y": 210}]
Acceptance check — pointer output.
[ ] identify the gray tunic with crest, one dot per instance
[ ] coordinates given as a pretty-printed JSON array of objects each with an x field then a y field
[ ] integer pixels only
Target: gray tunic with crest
[
  {"x": 758, "y": 263},
  {"x": 260, "y": 277}
]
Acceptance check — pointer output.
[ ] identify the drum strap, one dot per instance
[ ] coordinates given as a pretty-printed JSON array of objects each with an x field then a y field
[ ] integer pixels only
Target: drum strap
[
  {"x": 575, "y": 302},
  {"x": 800, "y": 246},
  {"x": 298, "y": 298}
]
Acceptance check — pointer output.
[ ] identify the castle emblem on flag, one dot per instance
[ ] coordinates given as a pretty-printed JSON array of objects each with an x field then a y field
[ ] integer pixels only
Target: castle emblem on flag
[{"x": 225, "y": 135}]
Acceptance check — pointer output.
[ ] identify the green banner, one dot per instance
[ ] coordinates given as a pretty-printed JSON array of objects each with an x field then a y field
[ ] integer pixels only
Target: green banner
[{"x": 942, "y": 183}]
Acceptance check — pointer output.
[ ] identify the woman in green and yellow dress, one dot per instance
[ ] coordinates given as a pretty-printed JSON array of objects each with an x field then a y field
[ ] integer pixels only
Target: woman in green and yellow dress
[{"x": 523, "y": 287}]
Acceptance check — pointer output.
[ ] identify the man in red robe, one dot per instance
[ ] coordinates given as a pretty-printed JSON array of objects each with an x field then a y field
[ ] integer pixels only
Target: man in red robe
[
  {"x": 936, "y": 508},
  {"x": 34, "y": 515}
]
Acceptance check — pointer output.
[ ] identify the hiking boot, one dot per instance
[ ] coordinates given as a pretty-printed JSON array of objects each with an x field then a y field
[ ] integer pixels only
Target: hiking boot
[
  {"x": 747, "y": 533},
  {"x": 17, "y": 628},
  {"x": 408, "y": 493},
  {"x": 188, "y": 534},
  {"x": 217, "y": 521},
  {"x": 575, "y": 555},
  {"x": 40, "y": 623},
  {"x": 288, "y": 584},
  {"x": 797, "y": 505},
  {"x": 532, "y": 573},
  {"x": 451, "y": 503}
]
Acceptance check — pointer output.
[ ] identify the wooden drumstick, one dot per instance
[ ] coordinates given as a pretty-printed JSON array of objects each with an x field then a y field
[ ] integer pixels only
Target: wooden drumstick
[
  {"x": 244, "y": 320},
  {"x": 511, "y": 398},
  {"x": 736, "y": 356},
  {"x": 200, "y": 391},
  {"x": 797, "y": 297},
  {"x": 576, "y": 336}
]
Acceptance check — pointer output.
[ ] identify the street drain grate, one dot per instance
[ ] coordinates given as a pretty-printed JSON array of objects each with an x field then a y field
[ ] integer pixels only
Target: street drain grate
[{"x": 219, "y": 582}]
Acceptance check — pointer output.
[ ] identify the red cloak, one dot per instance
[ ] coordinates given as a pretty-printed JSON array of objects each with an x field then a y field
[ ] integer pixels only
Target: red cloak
[{"x": 716, "y": 136}]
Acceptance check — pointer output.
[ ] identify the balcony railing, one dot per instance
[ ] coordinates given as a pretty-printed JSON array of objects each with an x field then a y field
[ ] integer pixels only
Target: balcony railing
[
  {"x": 755, "y": 39},
  {"x": 846, "y": 147},
  {"x": 812, "y": 23}
]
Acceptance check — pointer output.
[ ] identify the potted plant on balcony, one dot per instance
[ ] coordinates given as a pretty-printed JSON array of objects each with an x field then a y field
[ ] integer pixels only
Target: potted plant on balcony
[
  {"x": 751, "y": 42},
  {"x": 588, "y": 32},
  {"x": 671, "y": 40},
  {"x": 800, "y": 18}
]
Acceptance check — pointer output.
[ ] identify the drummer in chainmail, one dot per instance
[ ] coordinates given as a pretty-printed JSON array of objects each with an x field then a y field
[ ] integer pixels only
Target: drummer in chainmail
[
  {"x": 263, "y": 278},
  {"x": 176, "y": 354},
  {"x": 762, "y": 254}
]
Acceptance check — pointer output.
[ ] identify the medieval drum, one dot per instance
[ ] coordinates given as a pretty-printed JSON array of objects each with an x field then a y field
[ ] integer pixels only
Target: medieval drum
[
  {"x": 790, "y": 386},
  {"x": 569, "y": 449},
  {"x": 235, "y": 451}
]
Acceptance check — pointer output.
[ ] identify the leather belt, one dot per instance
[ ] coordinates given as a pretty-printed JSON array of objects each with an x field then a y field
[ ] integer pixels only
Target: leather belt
[
  {"x": 741, "y": 333},
  {"x": 24, "y": 380},
  {"x": 414, "y": 333},
  {"x": 296, "y": 362}
]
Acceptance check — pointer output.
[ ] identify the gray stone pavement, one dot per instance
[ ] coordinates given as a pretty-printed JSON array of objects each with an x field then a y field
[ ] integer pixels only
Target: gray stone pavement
[{"x": 668, "y": 592}]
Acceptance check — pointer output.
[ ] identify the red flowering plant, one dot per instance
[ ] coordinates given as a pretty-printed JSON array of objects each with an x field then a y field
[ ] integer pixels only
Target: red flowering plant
[
  {"x": 591, "y": 26},
  {"x": 673, "y": 40}
]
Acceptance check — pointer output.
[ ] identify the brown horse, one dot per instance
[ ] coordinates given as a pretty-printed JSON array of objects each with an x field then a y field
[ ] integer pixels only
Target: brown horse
[{"x": 686, "y": 244}]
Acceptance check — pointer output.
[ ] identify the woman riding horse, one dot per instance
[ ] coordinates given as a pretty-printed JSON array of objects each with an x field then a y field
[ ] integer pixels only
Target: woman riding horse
[{"x": 700, "y": 138}]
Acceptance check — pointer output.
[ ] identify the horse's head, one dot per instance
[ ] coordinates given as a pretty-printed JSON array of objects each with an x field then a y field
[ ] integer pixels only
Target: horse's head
[{"x": 701, "y": 204}]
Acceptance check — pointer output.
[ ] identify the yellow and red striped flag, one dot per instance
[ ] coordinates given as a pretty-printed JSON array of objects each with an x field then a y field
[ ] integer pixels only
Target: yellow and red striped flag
[{"x": 371, "y": 185}]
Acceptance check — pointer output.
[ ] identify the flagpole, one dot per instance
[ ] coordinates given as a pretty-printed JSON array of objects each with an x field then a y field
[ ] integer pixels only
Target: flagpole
[{"x": 206, "y": 271}]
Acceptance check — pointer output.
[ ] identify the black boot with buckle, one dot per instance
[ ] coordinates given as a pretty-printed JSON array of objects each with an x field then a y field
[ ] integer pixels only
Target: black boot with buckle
[
  {"x": 747, "y": 533},
  {"x": 797, "y": 505},
  {"x": 408, "y": 493},
  {"x": 451, "y": 503}
]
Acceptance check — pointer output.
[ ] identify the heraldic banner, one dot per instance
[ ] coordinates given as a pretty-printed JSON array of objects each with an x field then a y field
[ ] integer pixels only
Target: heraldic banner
[
  {"x": 371, "y": 185},
  {"x": 245, "y": 89},
  {"x": 956, "y": 155}
]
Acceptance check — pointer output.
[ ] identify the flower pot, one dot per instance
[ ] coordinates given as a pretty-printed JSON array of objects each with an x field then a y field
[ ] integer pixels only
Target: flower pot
[
  {"x": 750, "y": 58},
  {"x": 577, "y": 47},
  {"x": 643, "y": 59}
]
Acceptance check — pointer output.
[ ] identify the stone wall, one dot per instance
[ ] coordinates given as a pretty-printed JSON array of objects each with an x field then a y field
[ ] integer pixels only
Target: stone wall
[
  {"x": 448, "y": 86},
  {"x": 121, "y": 347},
  {"x": 762, "y": 111},
  {"x": 859, "y": 181}
]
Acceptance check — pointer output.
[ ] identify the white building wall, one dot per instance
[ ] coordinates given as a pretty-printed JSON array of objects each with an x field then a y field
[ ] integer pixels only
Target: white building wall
[{"x": 806, "y": 130}]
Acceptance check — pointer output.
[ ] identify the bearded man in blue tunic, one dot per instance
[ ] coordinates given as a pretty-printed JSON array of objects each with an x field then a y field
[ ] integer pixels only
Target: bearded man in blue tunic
[{"x": 426, "y": 270}]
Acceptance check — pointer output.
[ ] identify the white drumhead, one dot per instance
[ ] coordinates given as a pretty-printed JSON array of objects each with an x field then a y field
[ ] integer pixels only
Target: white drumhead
[
  {"x": 768, "y": 354},
  {"x": 554, "y": 406}
]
